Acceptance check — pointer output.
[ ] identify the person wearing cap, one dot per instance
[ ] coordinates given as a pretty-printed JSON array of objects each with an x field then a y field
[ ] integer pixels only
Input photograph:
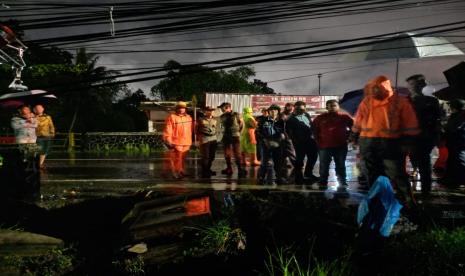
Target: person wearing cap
[
  {"x": 428, "y": 113},
  {"x": 207, "y": 135},
  {"x": 299, "y": 129},
  {"x": 271, "y": 134},
  {"x": 223, "y": 106},
  {"x": 454, "y": 132},
  {"x": 24, "y": 125},
  {"x": 231, "y": 125},
  {"x": 177, "y": 136},
  {"x": 248, "y": 139}
]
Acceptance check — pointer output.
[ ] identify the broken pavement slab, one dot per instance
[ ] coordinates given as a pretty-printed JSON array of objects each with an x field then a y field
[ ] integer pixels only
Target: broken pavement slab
[
  {"x": 13, "y": 242},
  {"x": 152, "y": 219}
]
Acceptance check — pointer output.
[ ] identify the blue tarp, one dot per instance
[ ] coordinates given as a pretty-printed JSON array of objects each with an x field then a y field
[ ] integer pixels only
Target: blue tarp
[{"x": 379, "y": 210}]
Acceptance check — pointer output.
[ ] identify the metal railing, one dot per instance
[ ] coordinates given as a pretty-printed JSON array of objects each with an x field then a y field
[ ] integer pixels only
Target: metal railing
[
  {"x": 61, "y": 141},
  {"x": 67, "y": 141}
]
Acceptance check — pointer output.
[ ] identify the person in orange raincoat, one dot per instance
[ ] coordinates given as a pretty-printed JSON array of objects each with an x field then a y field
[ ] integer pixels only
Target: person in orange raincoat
[
  {"x": 383, "y": 122},
  {"x": 177, "y": 136}
]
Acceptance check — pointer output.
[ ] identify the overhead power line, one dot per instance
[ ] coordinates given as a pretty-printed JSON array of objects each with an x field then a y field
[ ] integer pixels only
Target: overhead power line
[
  {"x": 211, "y": 22},
  {"x": 323, "y": 49}
]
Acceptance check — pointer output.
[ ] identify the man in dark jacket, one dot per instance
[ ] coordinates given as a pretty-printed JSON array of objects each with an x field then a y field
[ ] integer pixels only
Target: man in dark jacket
[
  {"x": 260, "y": 119},
  {"x": 288, "y": 147},
  {"x": 271, "y": 134},
  {"x": 299, "y": 129},
  {"x": 428, "y": 114}
]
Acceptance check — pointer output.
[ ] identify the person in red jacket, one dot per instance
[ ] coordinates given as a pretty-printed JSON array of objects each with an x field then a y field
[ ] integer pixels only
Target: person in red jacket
[
  {"x": 384, "y": 122},
  {"x": 331, "y": 130}
]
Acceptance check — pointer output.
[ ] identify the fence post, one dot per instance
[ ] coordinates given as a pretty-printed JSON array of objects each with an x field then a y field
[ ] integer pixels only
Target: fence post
[{"x": 71, "y": 142}]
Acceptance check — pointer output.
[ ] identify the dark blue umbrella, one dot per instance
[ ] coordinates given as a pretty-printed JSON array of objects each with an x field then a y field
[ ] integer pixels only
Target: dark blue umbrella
[{"x": 351, "y": 100}]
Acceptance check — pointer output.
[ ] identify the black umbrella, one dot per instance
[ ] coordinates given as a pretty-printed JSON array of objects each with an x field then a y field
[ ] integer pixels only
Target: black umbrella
[{"x": 456, "y": 78}]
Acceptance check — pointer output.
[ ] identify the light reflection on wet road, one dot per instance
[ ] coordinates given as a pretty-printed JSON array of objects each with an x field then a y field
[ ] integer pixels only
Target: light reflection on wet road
[{"x": 126, "y": 172}]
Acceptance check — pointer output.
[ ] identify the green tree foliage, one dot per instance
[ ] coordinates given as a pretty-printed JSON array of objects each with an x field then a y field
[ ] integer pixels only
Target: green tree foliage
[
  {"x": 184, "y": 82},
  {"x": 80, "y": 107},
  {"x": 87, "y": 108},
  {"x": 127, "y": 116}
]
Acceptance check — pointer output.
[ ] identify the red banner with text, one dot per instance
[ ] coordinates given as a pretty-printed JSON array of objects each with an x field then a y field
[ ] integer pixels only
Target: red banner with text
[{"x": 264, "y": 101}]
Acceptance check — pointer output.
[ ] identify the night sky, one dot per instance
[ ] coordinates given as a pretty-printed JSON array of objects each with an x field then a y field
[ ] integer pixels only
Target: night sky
[{"x": 288, "y": 24}]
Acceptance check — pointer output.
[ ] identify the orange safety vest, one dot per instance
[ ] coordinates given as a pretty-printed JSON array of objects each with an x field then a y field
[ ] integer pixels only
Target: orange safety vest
[
  {"x": 178, "y": 130},
  {"x": 391, "y": 117}
]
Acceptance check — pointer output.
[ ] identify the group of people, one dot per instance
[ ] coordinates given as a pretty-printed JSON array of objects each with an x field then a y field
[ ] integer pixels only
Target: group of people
[
  {"x": 275, "y": 141},
  {"x": 388, "y": 128},
  {"x": 290, "y": 137},
  {"x": 34, "y": 127}
]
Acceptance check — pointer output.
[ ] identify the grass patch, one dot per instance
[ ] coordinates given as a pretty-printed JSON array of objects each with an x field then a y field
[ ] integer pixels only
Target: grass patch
[
  {"x": 219, "y": 238},
  {"x": 53, "y": 262},
  {"x": 131, "y": 266},
  {"x": 128, "y": 148},
  {"x": 284, "y": 262},
  {"x": 436, "y": 252}
]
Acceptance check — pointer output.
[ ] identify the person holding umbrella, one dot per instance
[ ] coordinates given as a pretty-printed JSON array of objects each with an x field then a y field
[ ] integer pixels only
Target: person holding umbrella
[
  {"x": 24, "y": 125},
  {"x": 45, "y": 132},
  {"x": 384, "y": 122},
  {"x": 428, "y": 114}
]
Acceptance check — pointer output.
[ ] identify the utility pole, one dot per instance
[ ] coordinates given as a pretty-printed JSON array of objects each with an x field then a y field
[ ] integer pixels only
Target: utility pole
[{"x": 319, "y": 84}]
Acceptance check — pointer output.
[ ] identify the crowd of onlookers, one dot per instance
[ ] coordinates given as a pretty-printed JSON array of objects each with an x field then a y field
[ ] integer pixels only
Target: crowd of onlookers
[{"x": 388, "y": 129}]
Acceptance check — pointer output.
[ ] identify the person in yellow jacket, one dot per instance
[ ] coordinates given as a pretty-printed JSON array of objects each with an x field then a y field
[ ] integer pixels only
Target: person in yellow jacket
[
  {"x": 384, "y": 122},
  {"x": 177, "y": 136},
  {"x": 45, "y": 132}
]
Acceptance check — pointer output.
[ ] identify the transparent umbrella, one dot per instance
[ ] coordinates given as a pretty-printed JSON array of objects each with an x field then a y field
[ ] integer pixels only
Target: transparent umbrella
[
  {"x": 408, "y": 46},
  {"x": 16, "y": 99}
]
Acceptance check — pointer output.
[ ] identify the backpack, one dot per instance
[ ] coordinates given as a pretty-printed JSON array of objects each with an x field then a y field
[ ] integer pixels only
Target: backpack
[
  {"x": 270, "y": 134},
  {"x": 268, "y": 129},
  {"x": 230, "y": 124}
]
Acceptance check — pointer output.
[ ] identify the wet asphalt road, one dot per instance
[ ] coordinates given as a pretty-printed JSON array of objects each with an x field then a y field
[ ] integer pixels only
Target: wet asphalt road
[{"x": 99, "y": 174}]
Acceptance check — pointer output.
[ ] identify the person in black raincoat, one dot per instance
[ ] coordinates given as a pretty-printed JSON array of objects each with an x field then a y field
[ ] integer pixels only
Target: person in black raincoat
[{"x": 455, "y": 142}]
